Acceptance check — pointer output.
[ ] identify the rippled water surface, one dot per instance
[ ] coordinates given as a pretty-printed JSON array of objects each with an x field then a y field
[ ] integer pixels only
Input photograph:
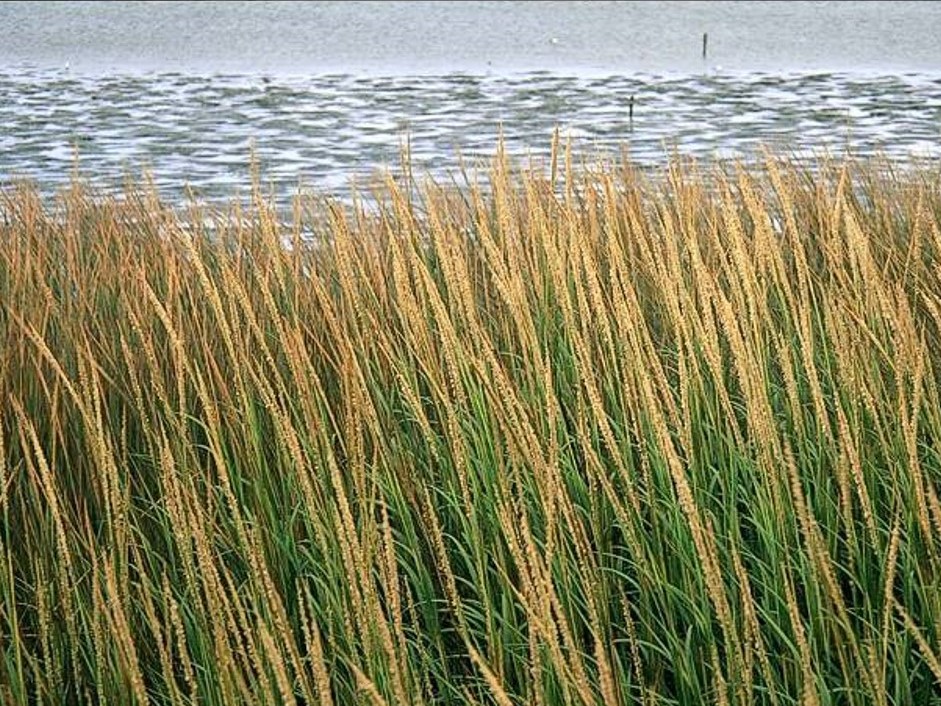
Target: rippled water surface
[{"x": 320, "y": 108}]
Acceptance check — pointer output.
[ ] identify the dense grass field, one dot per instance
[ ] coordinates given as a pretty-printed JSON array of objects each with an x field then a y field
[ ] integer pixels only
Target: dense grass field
[{"x": 584, "y": 436}]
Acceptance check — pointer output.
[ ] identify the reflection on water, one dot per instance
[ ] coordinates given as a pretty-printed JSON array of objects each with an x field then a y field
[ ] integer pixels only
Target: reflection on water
[{"x": 322, "y": 130}]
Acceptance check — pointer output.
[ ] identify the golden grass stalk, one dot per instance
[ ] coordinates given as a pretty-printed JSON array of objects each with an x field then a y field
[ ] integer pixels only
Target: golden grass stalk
[{"x": 565, "y": 434}]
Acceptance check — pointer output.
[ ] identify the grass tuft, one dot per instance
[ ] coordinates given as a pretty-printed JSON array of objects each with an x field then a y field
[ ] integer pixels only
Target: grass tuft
[{"x": 577, "y": 437}]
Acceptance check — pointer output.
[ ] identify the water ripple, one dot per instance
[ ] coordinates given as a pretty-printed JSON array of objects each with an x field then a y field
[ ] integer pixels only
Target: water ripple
[{"x": 200, "y": 130}]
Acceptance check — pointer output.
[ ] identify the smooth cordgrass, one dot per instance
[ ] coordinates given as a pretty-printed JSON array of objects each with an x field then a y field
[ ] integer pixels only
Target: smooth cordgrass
[{"x": 586, "y": 434}]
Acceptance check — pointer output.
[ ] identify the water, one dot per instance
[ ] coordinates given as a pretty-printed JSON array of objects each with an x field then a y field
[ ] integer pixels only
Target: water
[{"x": 327, "y": 92}]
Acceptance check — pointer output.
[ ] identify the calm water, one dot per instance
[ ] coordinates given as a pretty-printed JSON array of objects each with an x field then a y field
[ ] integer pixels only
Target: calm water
[{"x": 326, "y": 91}]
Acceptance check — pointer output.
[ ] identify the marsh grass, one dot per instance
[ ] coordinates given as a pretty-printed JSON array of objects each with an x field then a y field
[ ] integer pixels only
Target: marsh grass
[{"x": 584, "y": 437}]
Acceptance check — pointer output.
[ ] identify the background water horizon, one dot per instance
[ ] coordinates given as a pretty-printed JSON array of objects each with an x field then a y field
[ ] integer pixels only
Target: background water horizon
[
  {"x": 408, "y": 38},
  {"x": 327, "y": 91}
]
